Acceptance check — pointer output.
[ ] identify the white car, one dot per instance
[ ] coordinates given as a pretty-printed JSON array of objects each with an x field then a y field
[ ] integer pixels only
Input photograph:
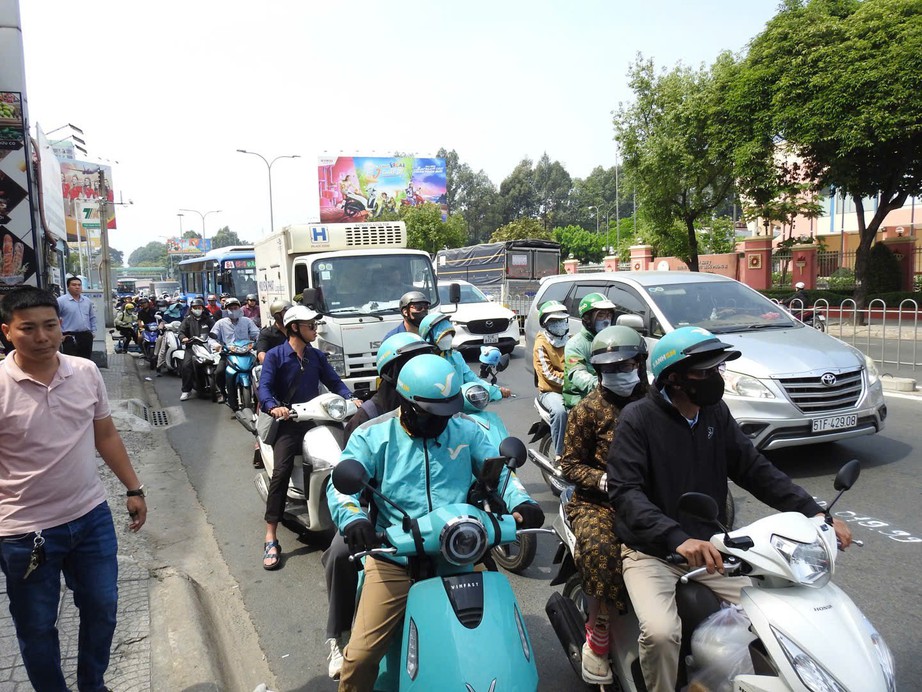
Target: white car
[{"x": 478, "y": 321}]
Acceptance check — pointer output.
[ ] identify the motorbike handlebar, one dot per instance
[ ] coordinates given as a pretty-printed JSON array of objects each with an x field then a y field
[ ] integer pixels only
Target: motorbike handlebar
[
  {"x": 372, "y": 551},
  {"x": 675, "y": 559},
  {"x": 731, "y": 568}
]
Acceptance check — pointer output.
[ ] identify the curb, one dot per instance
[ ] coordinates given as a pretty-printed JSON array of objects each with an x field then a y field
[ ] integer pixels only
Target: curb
[{"x": 897, "y": 384}]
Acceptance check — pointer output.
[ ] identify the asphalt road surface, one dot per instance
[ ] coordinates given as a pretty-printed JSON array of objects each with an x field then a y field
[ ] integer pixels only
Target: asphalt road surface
[{"x": 289, "y": 606}]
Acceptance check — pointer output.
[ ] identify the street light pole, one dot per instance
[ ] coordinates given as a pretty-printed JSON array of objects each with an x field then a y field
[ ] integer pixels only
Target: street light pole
[
  {"x": 269, "y": 169},
  {"x": 592, "y": 206},
  {"x": 196, "y": 211}
]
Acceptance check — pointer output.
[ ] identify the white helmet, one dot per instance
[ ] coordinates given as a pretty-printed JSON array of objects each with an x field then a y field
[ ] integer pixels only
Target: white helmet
[
  {"x": 800, "y": 285},
  {"x": 300, "y": 313}
]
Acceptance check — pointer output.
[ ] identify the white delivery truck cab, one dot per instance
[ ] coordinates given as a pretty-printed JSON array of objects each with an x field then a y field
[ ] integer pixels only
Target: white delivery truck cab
[{"x": 353, "y": 273}]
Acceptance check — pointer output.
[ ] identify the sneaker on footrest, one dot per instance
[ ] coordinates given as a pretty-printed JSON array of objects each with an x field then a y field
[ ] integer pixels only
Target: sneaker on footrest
[
  {"x": 335, "y": 657},
  {"x": 596, "y": 669}
]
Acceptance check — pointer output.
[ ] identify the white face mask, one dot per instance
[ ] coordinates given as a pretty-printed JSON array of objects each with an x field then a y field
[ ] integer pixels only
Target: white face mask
[
  {"x": 197, "y": 312},
  {"x": 235, "y": 314},
  {"x": 444, "y": 342},
  {"x": 620, "y": 383}
]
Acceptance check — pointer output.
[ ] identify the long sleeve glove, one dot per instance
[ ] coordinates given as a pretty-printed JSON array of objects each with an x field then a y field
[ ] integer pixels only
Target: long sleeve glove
[
  {"x": 531, "y": 513},
  {"x": 359, "y": 535}
]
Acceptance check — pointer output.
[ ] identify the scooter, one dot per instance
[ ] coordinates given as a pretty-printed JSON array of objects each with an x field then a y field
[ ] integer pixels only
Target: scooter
[
  {"x": 149, "y": 334},
  {"x": 307, "y": 499},
  {"x": 239, "y": 373},
  {"x": 174, "y": 350},
  {"x": 123, "y": 344},
  {"x": 356, "y": 203},
  {"x": 462, "y": 629},
  {"x": 205, "y": 363},
  {"x": 544, "y": 457},
  {"x": 806, "y": 633}
]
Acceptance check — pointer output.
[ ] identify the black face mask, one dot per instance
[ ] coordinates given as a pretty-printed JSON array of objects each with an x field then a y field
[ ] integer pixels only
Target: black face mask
[
  {"x": 415, "y": 318},
  {"x": 421, "y": 424},
  {"x": 706, "y": 392}
]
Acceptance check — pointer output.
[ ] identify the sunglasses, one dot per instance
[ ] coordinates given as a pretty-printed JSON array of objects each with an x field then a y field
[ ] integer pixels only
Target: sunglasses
[
  {"x": 626, "y": 366},
  {"x": 419, "y": 306},
  {"x": 707, "y": 372}
]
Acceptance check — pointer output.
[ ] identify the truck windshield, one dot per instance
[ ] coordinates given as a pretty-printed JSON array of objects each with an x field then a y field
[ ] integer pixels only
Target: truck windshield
[
  {"x": 371, "y": 284},
  {"x": 719, "y": 306}
]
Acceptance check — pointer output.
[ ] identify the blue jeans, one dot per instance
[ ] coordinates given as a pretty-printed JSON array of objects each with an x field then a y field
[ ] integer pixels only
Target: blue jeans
[
  {"x": 85, "y": 551},
  {"x": 553, "y": 402}
]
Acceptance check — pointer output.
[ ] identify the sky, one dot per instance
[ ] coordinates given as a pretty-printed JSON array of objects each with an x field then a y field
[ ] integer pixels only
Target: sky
[{"x": 167, "y": 92}]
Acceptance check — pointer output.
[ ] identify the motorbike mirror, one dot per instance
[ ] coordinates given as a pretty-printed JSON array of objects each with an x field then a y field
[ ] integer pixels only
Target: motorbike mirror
[
  {"x": 847, "y": 475},
  {"x": 700, "y": 506},
  {"x": 514, "y": 450},
  {"x": 349, "y": 476},
  {"x": 503, "y": 362}
]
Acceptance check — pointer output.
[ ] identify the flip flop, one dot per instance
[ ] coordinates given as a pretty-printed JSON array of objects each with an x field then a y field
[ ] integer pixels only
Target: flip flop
[{"x": 269, "y": 556}]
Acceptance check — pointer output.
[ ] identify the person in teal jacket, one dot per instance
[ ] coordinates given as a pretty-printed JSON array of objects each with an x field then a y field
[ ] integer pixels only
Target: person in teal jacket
[
  {"x": 421, "y": 456},
  {"x": 437, "y": 329}
]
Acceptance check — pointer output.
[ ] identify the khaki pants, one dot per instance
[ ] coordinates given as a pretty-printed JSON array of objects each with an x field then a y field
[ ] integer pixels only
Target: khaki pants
[
  {"x": 378, "y": 614},
  {"x": 651, "y": 585}
]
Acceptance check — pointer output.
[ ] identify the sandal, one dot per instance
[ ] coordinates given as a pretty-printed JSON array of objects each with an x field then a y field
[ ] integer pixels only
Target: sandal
[{"x": 276, "y": 557}]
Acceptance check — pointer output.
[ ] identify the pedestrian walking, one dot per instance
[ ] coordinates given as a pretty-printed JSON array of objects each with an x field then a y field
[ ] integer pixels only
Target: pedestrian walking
[{"x": 78, "y": 320}]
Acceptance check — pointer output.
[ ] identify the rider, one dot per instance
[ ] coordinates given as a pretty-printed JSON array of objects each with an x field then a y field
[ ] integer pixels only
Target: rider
[
  {"x": 197, "y": 323},
  {"x": 251, "y": 309},
  {"x": 547, "y": 359},
  {"x": 227, "y": 331},
  {"x": 126, "y": 322},
  {"x": 438, "y": 330},
  {"x": 799, "y": 297},
  {"x": 175, "y": 311},
  {"x": 680, "y": 438},
  {"x": 147, "y": 312},
  {"x": 618, "y": 355},
  {"x": 291, "y": 373},
  {"x": 341, "y": 574},
  {"x": 421, "y": 456},
  {"x": 274, "y": 334},
  {"x": 414, "y": 306},
  {"x": 211, "y": 305},
  {"x": 596, "y": 312}
]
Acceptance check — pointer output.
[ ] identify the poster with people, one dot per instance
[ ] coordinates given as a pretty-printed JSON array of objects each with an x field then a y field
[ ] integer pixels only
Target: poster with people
[
  {"x": 79, "y": 185},
  {"x": 17, "y": 241},
  {"x": 363, "y": 188}
]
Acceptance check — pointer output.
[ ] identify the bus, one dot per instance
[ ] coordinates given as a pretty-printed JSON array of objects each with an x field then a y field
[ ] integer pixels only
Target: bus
[
  {"x": 126, "y": 287},
  {"x": 229, "y": 270}
]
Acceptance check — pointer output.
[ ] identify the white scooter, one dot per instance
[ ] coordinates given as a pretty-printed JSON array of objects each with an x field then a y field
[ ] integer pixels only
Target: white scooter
[
  {"x": 174, "y": 350},
  {"x": 806, "y": 633},
  {"x": 307, "y": 498},
  {"x": 543, "y": 457}
]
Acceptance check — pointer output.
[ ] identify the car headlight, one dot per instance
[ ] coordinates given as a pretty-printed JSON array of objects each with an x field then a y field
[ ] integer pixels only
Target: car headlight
[
  {"x": 463, "y": 541},
  {"x": 809, "y": 562},
  {"x": 883, "y": 655},
  {"x": 335, "y": 408},
  {"x": 745, "y": 385},
  {"x": 873, "y": 372},
  {"x": 814, "y": 676},
  {"x": 336, "y": 356}
]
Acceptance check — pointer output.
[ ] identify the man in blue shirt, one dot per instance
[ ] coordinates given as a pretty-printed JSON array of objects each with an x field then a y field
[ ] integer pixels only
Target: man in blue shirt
[
  {"x": 227, "y": 330},
  {"x": 291, "y": 373},
  {"x": 414, "y": 306},
  {"x": 78, "y": 320}
]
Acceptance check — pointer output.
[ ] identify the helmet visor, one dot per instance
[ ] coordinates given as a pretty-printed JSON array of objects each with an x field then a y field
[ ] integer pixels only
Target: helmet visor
[{"x": 440, "y": 407}]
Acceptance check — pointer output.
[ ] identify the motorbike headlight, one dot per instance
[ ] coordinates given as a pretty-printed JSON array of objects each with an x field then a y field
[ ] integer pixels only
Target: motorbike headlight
[
  {"x": 463, "y": 541},
  {"x": 814, "y": 676},
  {"x": 335, "y": 408},
  {"x": 883, "y": 655},
  {"x": 744, "y": 385},
  {"x": 873, "y": 372},
  {"x": 809, "y": 562}
]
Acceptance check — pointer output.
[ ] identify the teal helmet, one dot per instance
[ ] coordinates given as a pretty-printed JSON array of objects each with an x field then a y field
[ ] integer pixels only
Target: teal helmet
[
  {"x": 397, "y": 350},
  {"x": 431, "y": 383},
  {"x": 615, "y": 345},
  {"x": 476, "y": 397},
  {"x": 434, "y": 325},
  {"x": 689, "y": 347},
  {"x": 490, "y": 355}
]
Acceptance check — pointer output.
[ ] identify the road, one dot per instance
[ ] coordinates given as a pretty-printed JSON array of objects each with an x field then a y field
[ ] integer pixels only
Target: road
[{"x": 289, "y": 607}]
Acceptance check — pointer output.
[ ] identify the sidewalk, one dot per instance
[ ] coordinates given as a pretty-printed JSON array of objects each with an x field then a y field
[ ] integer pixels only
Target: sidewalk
[{"x": 181, "y": 622}]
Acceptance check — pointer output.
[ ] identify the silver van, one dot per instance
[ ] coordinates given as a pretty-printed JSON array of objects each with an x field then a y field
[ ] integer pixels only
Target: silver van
[{"x": 792, "y": 386}]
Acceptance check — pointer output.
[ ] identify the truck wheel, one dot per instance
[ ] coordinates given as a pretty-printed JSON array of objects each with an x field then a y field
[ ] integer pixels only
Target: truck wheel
[{"x": 517, "y": 556}]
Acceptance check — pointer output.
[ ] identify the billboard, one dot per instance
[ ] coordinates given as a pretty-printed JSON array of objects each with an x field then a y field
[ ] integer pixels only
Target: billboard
[
  {"x": 17, "y": 241},
  {"x": 361, "y": 188},
  {"x": 80, "y": 186},
  {"x": 187, "y": 246}
]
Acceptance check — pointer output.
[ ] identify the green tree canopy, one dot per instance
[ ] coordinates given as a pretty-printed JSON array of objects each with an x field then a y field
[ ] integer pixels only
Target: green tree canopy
[
  {"x": 151, "y": 255},
  {"x": 521, "y": 229},
  {"x": 225, "y": 237},
  {"x": 474, "y": 196},
  {"x": 586, "y": 246},
  {"x": 426, "y": 230}
]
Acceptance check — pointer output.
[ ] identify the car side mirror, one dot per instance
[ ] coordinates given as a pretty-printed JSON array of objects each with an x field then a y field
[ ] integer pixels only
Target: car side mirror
[
  {"x": 454, "y": 293},
  {"x": 635, "y": 322}
]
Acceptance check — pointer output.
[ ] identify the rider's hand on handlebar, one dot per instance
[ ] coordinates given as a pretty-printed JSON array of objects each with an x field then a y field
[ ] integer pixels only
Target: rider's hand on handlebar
[
  {"x": 505, "y": 391},
  {"x": 360, "y": 535},
  {"x": 843, "y": 533},
  {"x": 701, "y": 554},
  {"x": 280, "y": 412}
]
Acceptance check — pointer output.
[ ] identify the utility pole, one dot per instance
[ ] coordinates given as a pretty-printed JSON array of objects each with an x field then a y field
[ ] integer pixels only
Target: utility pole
[{"x": 105, "y": 260}]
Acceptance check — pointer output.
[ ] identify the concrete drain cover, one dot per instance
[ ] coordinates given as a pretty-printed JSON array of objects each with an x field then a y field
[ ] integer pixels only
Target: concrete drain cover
[{"x": 156, "y": 417}]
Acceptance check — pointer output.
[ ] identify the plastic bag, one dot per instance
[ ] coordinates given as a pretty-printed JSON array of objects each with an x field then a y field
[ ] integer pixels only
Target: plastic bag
[{"x": 720, "y": 650}]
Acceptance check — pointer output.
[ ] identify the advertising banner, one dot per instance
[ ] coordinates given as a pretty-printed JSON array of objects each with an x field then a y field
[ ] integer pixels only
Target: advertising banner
[
  {"x": 52, "y": 197},
  {"x": 80, "y": 184},
  {"x": 17, "y": 242},
  {"x": 187, "y": 246},
  {"x": 361, "y": 188}
]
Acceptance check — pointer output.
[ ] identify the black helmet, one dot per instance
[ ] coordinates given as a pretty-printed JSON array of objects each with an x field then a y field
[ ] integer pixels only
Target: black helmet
[
  {"x": 413, "y": 297},
  {"x": 197, "y": 303}
]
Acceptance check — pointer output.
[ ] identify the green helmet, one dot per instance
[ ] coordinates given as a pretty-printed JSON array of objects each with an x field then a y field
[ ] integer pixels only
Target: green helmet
[
  {"x": 594, "y": 301},
  {"x": 431, "y": 383},
  {"x": 433, "y": 325},
  {"x": 689, "y": 347},
  {"x": 397, "y": 350},
  {"x": 616, "y": 344},
  {"x": 552, "y": 309}
]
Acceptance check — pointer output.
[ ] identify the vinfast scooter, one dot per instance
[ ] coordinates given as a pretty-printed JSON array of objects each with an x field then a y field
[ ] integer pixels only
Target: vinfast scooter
[
  {"x": 462, "y": 629},
  {"x": 806, "y": 633},
  {"x": 239, "y": 373},
  {"x": 306, "y": 503}
]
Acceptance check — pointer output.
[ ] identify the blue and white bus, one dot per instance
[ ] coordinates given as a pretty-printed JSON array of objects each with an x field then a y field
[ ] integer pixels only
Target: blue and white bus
[{"x": 229, "y": 270}]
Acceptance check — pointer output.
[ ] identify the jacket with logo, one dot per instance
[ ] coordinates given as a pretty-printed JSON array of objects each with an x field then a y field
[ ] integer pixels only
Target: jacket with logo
[
  {"x": 657, "y": 456},
  {"x": 579, "y": 377}
]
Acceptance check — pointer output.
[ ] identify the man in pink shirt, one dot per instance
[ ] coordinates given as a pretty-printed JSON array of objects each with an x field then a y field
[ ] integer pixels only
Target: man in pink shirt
[{"x": 54, "y": 516}]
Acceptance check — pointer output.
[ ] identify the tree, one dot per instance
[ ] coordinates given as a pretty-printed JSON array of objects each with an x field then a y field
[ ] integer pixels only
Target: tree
[
  {"x": 473, "y": 195},
  {"x": 426, "y": 230},
  {"x": 521, "y": 229},
  {"x": 191, "y": 234},
  {"x": 151, "y": 255},
  {"x": 676, "y": 152},
  {"x": 540, "y": 191},
  {"x": 225, "y": 237},
  {"x": 586, "y": 246},
  {"x": 116, "y": 257},
  {"x": 837, "y": 83}
]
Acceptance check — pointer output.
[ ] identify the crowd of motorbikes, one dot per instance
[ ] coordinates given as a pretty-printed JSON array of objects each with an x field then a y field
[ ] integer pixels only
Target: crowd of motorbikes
[{"x": 794, "y": 629}]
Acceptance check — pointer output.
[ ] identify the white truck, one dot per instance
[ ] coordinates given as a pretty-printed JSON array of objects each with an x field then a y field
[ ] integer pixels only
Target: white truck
[{"x": 353, "y": 273}]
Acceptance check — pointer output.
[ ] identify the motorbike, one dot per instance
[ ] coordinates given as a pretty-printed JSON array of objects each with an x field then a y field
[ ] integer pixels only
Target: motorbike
[
  {"x": 307, "y": 500},
  {"x": 205, "y": 363},
  {"x": 544, "y": 457},
  {"x": 174, "y": 350},
  {"x": 239, "y": 373},
  {"x": 122, "y": 344},
  {"x": 356, "y": 203},
  {"x": 803, "y": 632},
  {"x": 476, "y": 613},
  {"x": 149, "y": 334},
  {"x": 812, "y": 317}
]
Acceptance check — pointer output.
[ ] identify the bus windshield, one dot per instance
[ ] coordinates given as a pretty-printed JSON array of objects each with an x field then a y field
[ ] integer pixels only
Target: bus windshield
[
  {"x": 371, "y": 285},
  {"x": 126, "y": 286},
  {"x": 239, "y": 277}
]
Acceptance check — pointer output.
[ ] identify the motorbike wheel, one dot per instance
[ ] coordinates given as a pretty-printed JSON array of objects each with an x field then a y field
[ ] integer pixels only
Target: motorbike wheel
[
  {"x": 819, "y": 325},
  {"x": 545, "y": 449},
  {"x": 573, "y": 591},
  {"x": 244, "y": 397},
  {"x": 517, "y": 556}
]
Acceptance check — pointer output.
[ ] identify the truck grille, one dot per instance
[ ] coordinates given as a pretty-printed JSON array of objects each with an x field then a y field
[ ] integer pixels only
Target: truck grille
[
  {"x": 376, "y": 235},
  {"x": 813, "y": 395},
  {"x": 494, "y": 326}
]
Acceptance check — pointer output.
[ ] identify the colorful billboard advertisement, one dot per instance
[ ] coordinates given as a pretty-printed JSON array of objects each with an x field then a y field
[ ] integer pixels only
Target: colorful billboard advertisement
[
  {"x": 17, "y": 242},
  {"x": 361, "y": 188},
  {"x": 187, "y": 246},
  {"x": 80, "y": 185}
]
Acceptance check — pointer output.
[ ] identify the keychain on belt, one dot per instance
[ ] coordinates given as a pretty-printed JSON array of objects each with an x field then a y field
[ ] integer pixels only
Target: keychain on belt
[{"x": 38, "y": 555}]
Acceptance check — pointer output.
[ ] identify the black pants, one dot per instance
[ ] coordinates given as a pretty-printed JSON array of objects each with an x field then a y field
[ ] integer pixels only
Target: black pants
[
  {"x": 220, "y": 378},
  {"x": 287, "y": 446},
  {"x": 130, "y": 334},
  {"x": 78, "y": 344},
  {"x": 342, "y": 579},
  {"x": 187, "y": 370}
]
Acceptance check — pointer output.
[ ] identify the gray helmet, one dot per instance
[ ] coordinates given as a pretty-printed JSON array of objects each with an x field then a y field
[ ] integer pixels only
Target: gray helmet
[
  {"x": 413, "y": 297},
  {"x": 251, "y": 296},
  {"x": 197, "y": 303},
  {"x": 277, "y": 306},
  {"x": 616, "y": 345},
  {"x": 232, "y": 301}
]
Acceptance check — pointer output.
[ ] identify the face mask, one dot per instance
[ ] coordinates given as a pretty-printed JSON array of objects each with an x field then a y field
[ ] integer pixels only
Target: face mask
[
  {"x": 599, "y": 325},
  {"x": 558, "y": 327},
  {"x": 197, "y": 312},
  {"x": 620, "y": 383},
  {"x": 235, "y": 314},
  {"x": 706, "y": 392},
  {"x": 415, "y": 318},
  {"x": 444, "y": 342},
  {"x": 421, "y": 424}
]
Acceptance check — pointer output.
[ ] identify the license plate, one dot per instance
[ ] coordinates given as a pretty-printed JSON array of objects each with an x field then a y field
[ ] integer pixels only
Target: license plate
[
  {"x": 491, "y": 339},
  {"x": 834, "y": 423}
]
